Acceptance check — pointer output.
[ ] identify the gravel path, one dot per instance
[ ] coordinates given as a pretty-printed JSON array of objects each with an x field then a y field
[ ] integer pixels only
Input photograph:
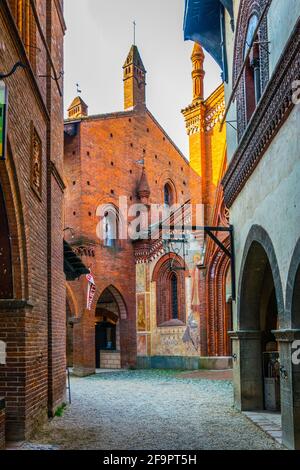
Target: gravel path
[{"x": 151, "y": 410}]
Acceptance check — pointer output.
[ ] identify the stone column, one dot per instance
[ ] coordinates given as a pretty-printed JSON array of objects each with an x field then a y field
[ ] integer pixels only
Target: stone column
[
  {"x": 290, "y": 387},
  {"x": 247, "y": 370}
]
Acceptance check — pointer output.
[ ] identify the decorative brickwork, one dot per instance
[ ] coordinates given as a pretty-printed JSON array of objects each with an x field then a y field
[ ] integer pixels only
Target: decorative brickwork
[
  {"x": 247, "y": 9},
  {"x": 271, "y": 113}
]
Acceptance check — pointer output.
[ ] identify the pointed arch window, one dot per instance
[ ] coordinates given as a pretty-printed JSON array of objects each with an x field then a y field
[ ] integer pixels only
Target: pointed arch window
[
  {"x": 110, "y": 228},
  {"x": 174, "y": 296},
  {"x": 170, "y": 292},
  {"x": 252, "y": 68},
  {"x": 168, "y": 195}
]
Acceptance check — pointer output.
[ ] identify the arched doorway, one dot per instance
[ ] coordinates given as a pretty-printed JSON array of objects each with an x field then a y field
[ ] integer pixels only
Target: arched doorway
[
  {"x": 107, "y": 330},
  {"x": 258, "y": 318}
]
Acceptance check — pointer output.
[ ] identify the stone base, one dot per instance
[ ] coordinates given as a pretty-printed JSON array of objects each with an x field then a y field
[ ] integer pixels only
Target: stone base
[
  {"x": 215, "y": 363},
  {"x": 184, "y": 363},
  {"x": 83, "y": 371},
  {"x": 110, "y": 360}
]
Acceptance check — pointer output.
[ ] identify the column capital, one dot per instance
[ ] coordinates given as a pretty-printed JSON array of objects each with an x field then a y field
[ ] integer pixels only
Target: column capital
[
  {"x": 245, "y": 334},
  {"x": 287, "y": 336}
]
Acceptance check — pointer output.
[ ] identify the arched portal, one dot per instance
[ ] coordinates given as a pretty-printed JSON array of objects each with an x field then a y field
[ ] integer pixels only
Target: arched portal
[
  {"x": 219, "y": 304},
  {"x": 110, "y": 311},
  {"x": 260, "y": 301}
]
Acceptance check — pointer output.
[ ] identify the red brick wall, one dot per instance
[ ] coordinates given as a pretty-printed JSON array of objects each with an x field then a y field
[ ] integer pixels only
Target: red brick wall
[
  {"x": 29, "y": 327},
  {"x": 56, "y": 278}
]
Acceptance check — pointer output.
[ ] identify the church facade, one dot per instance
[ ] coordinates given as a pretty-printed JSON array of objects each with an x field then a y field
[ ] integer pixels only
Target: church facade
[{"x": 123, "y": 171}]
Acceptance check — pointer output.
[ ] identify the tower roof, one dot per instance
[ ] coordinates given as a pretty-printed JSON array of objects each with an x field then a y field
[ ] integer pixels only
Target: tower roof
[
  {"x": 134, "y": 58},
  {"x": 78, "y": 101},
  {"x": 78, "y": 108},
  {"x": 198, "y": 51}
]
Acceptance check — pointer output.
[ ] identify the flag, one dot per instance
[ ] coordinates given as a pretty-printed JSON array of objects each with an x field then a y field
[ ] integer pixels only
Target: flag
[{"x": 91, "y": 290}]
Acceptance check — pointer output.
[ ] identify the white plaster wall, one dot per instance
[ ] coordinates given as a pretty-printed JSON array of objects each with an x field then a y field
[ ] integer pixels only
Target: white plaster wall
[{"x": 271, "y": 198}]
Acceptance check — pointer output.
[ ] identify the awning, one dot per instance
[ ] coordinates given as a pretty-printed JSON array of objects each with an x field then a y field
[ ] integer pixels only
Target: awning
[
  {"x": 204, "y": 23},
  {"x": 73, "y": 266}
]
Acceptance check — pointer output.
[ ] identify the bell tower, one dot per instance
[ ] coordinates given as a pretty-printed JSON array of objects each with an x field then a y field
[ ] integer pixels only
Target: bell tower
[
  {"x": 134, "y": 80},
  {"x": 198, "y": 72},
  {"x": 194, "y": 114}
]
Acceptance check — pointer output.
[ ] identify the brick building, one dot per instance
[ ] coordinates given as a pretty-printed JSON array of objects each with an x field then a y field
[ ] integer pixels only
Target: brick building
[
  {"x": 32, "y": 290},
  {"x": 149, "y": 308}
]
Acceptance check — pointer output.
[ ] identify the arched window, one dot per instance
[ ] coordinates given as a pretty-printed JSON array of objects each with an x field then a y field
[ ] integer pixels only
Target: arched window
[
  {"x": 252, "y": 68},
  {"x": 174, "y": 296},
  {"x": 110, "y": 228},
  {"x": 256, "y": 69},
  {"x": 170, "y": 292},
  {"x": 168, "y": 195}
]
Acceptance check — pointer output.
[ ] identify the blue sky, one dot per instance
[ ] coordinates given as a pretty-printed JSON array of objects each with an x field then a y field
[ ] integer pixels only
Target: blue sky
[{"x": 99, "y": 36}]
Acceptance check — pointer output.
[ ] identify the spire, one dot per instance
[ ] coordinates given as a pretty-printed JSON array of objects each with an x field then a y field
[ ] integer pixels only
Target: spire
[
  {"x": 77, "y": 109},
  {"x": 134, "y": 80},
  {"x": 198, "y": 72},
  {"x": 143, "y": 191}
]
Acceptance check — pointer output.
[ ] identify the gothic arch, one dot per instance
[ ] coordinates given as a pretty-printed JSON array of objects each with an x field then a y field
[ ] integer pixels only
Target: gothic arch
[
  {"x": 13, "y": 203},
  {"x": 247, "y": 9},
  {"x": 258, "y": 254},
  {"x": 121, "y": 227},
  {"x": 172, "y": 188},
  {"x": 216, "y": 302},
  {"x": 293, "y": 290},
  {"x": 70, "y": 297},
  {"x": 166, "y": 179},
  {"x": 123, "y": 312}
]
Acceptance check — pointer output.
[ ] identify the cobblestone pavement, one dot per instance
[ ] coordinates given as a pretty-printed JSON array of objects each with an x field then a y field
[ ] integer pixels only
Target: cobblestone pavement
[{"x": 151, "y": 410}]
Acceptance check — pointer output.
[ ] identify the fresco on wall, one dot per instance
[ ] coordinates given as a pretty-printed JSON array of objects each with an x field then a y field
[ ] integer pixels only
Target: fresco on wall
[
  {"x": 140, "y": 278},
  {"x": 191, "y": 334},
  {"x": 141, "y": 313},
  {"x": 196, "y": 283}
]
